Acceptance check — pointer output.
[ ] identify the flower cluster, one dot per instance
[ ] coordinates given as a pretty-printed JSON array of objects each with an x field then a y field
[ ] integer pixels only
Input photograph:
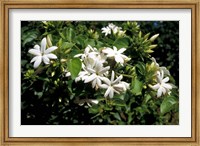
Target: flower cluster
[
  {"x": 161, "y": 86},
  {"x": 96, "y": 69},
  {"x": 111, "y": 28},
  {"x": 98, "y": 65}
]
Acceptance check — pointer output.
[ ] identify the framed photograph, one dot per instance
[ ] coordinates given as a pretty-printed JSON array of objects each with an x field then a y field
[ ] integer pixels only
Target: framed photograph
[{"x": 105, "y": 72}]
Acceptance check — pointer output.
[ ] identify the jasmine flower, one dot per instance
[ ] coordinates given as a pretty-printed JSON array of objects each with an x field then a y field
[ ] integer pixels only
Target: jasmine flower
[{"x": 42, "y": 54}]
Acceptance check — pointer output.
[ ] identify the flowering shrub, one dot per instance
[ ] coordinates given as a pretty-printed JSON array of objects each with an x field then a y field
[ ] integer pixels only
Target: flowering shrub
[{"x": 94, "y": 73}]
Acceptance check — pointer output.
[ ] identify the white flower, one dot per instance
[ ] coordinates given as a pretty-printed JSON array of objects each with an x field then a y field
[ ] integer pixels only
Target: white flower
[
  {"x": 106, "y": 30},
  {"x": 162, "y": 86},
  {"x": 88, "y": 52},
  {"x": 42, "y": 54},
  {"x": 79, "y": 77},
  {"x": 112, "y": 28},
  {"x": 117, "y": 54},
  {"x": 89, "y": 102},
  {"x": 113, "y": 86},
  {"x": 162, "y": 68},
  {"x": 96, "y": 73}
]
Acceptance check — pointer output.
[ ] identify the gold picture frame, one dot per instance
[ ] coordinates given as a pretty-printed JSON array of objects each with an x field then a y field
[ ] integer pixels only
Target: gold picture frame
[{"x": 117, "y": 4}]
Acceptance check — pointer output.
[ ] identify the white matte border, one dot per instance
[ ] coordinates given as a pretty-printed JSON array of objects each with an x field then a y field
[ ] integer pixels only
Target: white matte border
[{"x": 181, "y": 15}]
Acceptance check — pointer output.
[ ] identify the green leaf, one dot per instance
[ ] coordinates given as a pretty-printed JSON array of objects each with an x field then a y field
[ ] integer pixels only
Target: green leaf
[
  {"x": 146, "y": 98},
  {"x": 116, "y": 115},
  {"x": 74, "y": 67},
  {"x": 90, "y": 42},
  {"x": 167, "y": 104},
  {"x": 121, "y": 43},
  {"x": 67, "y": 45},
  {"x": 29, "y": 36},
  {"x": 140, "y": 68},
  {"x": 70, "y": 34},
  {"x": 137, "y": 86}
]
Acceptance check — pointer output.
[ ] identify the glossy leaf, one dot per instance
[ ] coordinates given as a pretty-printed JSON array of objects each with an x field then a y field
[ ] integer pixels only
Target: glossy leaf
[{"x": 74, "y": 67}]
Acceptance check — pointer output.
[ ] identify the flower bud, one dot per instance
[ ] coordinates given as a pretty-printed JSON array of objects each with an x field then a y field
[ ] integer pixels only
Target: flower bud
[
  {"x": 49, "y": 43},
  {"x": 154, "y": 37}
]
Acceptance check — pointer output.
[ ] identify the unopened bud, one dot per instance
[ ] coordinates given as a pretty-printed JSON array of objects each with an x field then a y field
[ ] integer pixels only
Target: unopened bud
[{"x": 154, "y": 37}]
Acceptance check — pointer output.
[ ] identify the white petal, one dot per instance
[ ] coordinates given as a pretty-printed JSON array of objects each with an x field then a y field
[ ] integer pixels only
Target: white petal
[
  {"x": 94, "y": 101},
  {"x": 168, "y": 86},
  {"x": 68, "y": 74},
  {"x": 159, "y": 92},
  {"x": 119, "y": 59},
  {"x": 37, "y": 47},
  {"x": 45, "y": 59},
  {"x": 155, "y": 87},
  {"x": 91, "y": 70},
  {"x": 37, "y": 61},
  {"x": 159, "y": 78},
  {"x": 163, "y": 90},
  {"x": 104, "y": 86},
  {"x": 104, "y": 70},
  {"x": 98, "y": 82},
  {"x": 43, "y": 45},
  {"x": 111, "y": 93},
  {"x": 78, "y": 55},
  {"x": 118, "y": 87},
  {"x": 108, "y": 51},
  {"x": 118, "y": 79},
  {"x": 165, "y": 79},
  {"x": 90, "y": 78},
  {"x": 121, "y": 50},
  {"x": 107, "y": 92},
  {"x": 115, "y": 49},
  {"x": 51, "y": 56},
  {"x": 34, "y": 52},
  {"x": 112, "y": 76},
  {"x": 124, "y": 57},
  {"x": 94, "y": 82},
  {"x": 50, "y": 49},
  {"x": 34, "y": 59},
  {"x": 106, "y": 80}
]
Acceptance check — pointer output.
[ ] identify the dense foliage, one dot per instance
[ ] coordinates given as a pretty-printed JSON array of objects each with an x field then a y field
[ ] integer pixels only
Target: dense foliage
[{"x": 56, "y": 84}]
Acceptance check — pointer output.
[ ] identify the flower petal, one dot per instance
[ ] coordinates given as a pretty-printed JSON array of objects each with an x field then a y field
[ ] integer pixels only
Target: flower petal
[
  {"x": 37, "y": 61},
  {"x": 106, "y": 80},
  {"x": 34, "y": 52},
  {"x": 37, "y": 47},
  {"x": 165, "y": 79},
  {"x": 119, "y": 59},
  {"x": 168, "y": 86},
  {"x": 68, "y": 74},
  {"x": 108, "y": 51},
  {"x": 34, "y": 59},
  {"x": 43, "y": 45},
  {"x": 51, "y": 56},
  {"x": 112, "y": 76},
  {"x": 155, "y": 87},
  {"x": 121, "y": 50},
  {"x": 104, "y": 86},
  {"x": 159, "y": 92},
  {"x": 107, "y": 92},
  {"x": 50, "y": 49},
  {"x": 90, "y": 78},
  {"x": 104, "y": 70},
  {"x": 45, "y": 59},
  {"x": 98, "y": 82},
  {"x": 118, "y": 79},
  {"x": 111, "y": 92},
  {"x": 94, "y": 82}
]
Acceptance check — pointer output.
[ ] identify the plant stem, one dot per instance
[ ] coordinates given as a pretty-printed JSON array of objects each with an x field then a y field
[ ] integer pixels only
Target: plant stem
[{"x": 128, "y": 76}]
